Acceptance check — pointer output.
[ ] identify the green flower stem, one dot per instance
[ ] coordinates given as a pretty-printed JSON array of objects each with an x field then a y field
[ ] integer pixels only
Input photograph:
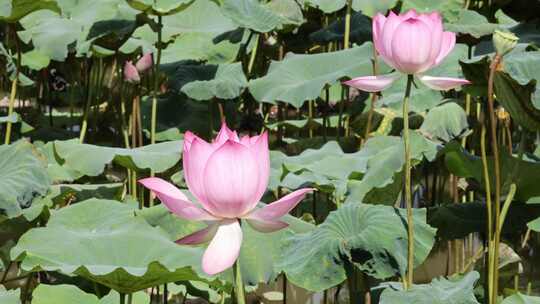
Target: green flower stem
[
  {"x": 506, "y": 206},
  {"x": 253, "y": 55},
  {"x": 89, "y": 92},
  {"x": 12, "y": 95},
  {"x": 156, "y": 82},
  {"x": 408, "y": 198},
  {"x": 238, "y": 284},
  {"x": 374, "y": 96},
  {"x": 489, "y": 211},
  {"x": 13, "y": 92},
  {"x": 495, "y": 149},
  {"x": 347, "y": 35}
]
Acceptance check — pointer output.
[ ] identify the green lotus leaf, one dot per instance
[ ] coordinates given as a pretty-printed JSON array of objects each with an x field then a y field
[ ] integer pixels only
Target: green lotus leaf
[
  {"x": 23, "y": 177},
  {"x": 91, "y": 159},
  {"x": 441, "y": 291},
  {"x": 106, "y": 242},
  {"x": 372, "y": 237}
]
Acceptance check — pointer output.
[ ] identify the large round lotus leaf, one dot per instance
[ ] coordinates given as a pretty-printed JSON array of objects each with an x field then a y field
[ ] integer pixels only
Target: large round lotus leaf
[
  {"x": 228, "y": 82},
  {"x": 160, "y": 7},
  {"x": 372, "y": 237},
  {"x": 384, "y": 158},
  {"x": 91, "y": 160},
  {"x": 106, "y": 242},
  {"x": 445, "y": 122},
  {"x": 23, "y": 177},
  {"x": 259, "y": 253},
  {"x": 519, "y": 298},
  {"x": 458, "y": 290},
  {"x": 448, "y": 8},
  {"x": 69, "y": 294},
  {"x": 10, "y": 296},
  {"x": 54, "y": 34},
  {"x": 252, "y": 14},
  {"x": 203, "y": 16},
  {"x": 472, "y": 23},
  {"x": 298, "y": 78}
]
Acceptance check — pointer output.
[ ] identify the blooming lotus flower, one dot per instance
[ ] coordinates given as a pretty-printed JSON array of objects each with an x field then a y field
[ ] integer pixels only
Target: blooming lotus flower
[
  {"x": 228, "y": 177},
  {"x": 412, "y": 44},
  {"x": 132, "y": 71}
]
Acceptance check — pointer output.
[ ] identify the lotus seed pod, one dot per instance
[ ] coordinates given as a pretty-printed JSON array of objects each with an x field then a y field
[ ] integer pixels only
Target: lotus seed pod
[{"x": 504, "y": 42}]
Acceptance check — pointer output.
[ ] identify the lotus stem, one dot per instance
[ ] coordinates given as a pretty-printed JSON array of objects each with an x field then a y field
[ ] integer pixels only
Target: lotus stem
[
  {"x": 495, "y": 149},
  {"x": 13, "y": 92},
  {"x": 10, "y": 109},
  {"x": 487, "y": 182},
  {"x": 506, "y": 206},
  {"x": 253, "y": 55},
  {"x": 374, "y": 96},
  {"x": 156, "y": 81},
  {"x": 347, "y": 35},
  {"x": 89, "y": 92},
  {"x": 238, "y": 284},
  {"x": 408, "y": 198}
]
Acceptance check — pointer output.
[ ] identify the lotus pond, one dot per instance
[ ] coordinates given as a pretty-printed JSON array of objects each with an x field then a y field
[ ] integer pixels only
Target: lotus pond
[{"x": 269, "y": 151}]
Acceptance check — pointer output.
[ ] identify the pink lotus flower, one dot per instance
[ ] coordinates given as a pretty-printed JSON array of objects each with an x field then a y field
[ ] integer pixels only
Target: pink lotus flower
[
  {"x": 132, "y": 71},
  {"x": 411, "y": 43},
  {"x": 228, "y": 177}
]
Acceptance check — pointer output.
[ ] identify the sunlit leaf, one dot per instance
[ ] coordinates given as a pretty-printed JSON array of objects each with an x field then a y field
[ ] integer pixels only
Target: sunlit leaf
[{"x": 372, "y": 237}]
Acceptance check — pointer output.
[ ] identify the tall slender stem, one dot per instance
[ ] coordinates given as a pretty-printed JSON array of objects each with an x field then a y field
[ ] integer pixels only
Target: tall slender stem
[
  {"x": 495, "y": 149},
  {"x": 487, "y": 182},
  {"x": 238, "y": 284},
  {"x": 347, "y": 35},
  {"x": 13, "y": 93},
  {"x": 89, "y": 92},
  {"x": 374, "y": 96},
  {"x": 156, "y": 82},
  {"x": 408, "y": 199}
]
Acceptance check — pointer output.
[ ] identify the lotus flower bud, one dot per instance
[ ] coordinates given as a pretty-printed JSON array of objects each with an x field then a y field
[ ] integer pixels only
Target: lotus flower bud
[
  {"x": 504, "y": 42},
  {"x": 144, "y": 63},
  {"x": 130, "y": 73}
]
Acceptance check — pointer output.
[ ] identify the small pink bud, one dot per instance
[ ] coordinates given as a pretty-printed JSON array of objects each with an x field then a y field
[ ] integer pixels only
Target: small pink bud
[
  {"x": 130, "y": 73},
  {"x": 144, "y": 63}
]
